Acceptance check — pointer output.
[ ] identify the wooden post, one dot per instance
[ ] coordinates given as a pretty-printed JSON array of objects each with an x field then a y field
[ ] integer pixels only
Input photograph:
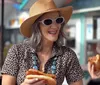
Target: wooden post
[{"x": 2, "y": 32}]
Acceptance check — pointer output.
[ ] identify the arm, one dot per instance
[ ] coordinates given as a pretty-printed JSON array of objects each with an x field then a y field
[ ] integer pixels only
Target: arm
[
  {"x": 74, "y": 72},
  {"x": 10, "y": 67},
  {"x": 8, "y": 80},
  {"x": 77, "y": 83},
  {"x": 11, "y": 80}
]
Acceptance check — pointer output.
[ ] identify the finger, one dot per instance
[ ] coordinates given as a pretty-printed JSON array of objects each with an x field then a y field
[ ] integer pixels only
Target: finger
[
  {"x": 92, "y": 70},
  {"x": 41, "y": 82},
  {"x": 30, "y": 81},
  {"x": 89, "y": 67},
  {"x": 98, "y": 73},
  {"x": 93, "y": 73}
]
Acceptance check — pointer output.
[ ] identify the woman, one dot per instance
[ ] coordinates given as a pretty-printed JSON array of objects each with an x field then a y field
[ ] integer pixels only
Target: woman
[{"x": 43, "y": 50}]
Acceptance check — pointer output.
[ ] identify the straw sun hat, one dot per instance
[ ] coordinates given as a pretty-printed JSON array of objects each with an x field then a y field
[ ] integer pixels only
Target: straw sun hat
[{"x": 40, "y": 7}]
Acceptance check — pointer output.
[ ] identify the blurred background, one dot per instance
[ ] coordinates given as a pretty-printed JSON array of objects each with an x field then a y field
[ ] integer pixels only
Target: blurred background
[{"x": 82, "y": 31}]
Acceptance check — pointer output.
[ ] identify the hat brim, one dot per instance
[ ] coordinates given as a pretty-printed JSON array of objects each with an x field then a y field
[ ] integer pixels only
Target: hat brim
[{"x": 26, "y": 26}]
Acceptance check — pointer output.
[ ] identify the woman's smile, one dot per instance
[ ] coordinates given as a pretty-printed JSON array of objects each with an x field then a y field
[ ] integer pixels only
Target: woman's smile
[{"x": 53, "y": 32}]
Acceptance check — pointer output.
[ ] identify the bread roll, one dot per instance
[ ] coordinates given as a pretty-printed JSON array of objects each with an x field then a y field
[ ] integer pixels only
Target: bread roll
[
  {"x": 96, "y": 61},
  {"x": 50, "y": 78}
]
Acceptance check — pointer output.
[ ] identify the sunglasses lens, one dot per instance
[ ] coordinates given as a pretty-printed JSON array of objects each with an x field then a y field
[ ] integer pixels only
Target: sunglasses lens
[
  {"x": 47, "y": 21},
  {"x": 59, "y": 20}
]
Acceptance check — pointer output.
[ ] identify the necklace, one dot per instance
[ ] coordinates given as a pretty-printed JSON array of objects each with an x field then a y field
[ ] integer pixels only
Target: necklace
[{"x": 35, "y": 63}]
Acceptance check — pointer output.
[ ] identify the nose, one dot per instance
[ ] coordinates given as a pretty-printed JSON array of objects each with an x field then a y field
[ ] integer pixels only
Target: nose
[{"x": 54, "y": 25}]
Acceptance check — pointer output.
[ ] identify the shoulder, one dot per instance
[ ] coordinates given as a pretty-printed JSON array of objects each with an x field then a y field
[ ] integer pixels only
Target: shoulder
[
  {"x": 68, "y": 50},
  {"x": 18, "y": 51},
  {"x": 20, "y": 46},
  {"x": 68, "y": 54}
]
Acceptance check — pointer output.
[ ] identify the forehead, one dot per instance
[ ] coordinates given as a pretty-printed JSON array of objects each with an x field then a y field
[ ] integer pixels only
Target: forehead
[{"x": 50, "y": 15}]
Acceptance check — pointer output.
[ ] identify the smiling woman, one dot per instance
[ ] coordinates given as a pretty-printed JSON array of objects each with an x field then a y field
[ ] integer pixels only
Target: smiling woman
[{"x": 43, "y": 50}]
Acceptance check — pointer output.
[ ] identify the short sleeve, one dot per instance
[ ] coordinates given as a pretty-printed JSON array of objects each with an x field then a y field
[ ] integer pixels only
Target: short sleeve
[
  {"x": 10, "y": 65},
  {"x": 74, "y": 72}
]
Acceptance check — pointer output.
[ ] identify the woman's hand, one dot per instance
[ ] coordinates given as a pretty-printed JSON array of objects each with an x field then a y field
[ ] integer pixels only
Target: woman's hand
[
  {"x": 34, "y": 82},
  {"x": 93, "y": 74}
]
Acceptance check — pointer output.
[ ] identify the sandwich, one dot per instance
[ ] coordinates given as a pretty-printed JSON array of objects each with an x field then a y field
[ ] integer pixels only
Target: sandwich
[
  {"x": 95, "y": 60},
  {"x": 50, "y": 78}
]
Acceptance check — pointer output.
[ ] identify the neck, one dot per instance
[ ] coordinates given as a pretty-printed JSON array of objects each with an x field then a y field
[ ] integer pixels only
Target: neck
[
  {"x": 46, "y": 51},
  {"x": 47, "y": 47}
]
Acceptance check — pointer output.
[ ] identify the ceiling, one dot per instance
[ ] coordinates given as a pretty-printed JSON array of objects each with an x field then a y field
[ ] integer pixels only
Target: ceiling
[{"x": 9, "y": 9}]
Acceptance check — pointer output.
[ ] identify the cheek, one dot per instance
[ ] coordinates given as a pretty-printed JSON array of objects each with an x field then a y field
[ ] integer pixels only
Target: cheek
[
  {"x": 59, "y": 26},
  {"x": 43, "y": 29}
]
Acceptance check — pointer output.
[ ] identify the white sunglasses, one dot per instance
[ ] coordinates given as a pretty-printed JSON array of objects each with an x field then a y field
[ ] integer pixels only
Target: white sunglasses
[{"x": 58, "y": 20}]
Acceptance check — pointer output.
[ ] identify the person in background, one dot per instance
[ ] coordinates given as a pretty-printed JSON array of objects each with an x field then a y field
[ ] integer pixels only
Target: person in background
[
  {"x": 95, "y": 76},
  {"x": 94, "y": 82},
  {"x": 43, "y": 49}
]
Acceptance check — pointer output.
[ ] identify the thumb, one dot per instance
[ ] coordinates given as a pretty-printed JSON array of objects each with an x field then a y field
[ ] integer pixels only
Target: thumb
[
  {"x": 30, "y": 81},
  {"x": 92, "y": 70}
]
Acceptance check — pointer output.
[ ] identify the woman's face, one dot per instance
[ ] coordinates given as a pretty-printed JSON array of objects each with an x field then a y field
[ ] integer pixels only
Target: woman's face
[{"x": 50, "y": 32}]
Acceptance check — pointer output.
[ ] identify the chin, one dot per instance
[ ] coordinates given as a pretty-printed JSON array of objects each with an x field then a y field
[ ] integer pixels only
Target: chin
[{"x": 53, "y": 39}]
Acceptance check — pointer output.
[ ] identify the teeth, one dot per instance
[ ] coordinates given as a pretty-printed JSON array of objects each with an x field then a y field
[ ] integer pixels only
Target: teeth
[{"x": 52, "y": 32}]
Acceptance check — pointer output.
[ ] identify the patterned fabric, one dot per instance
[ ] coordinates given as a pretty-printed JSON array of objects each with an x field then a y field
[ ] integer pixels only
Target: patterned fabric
[{"x": 19, "y": 60}]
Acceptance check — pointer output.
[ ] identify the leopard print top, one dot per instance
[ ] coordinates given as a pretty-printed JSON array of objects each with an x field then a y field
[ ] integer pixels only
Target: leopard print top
[{"x": 19, "y": 60}]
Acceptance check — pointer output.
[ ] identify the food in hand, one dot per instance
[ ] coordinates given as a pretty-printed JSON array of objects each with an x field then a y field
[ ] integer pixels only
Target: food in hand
[
  {"x": 95, "y": 60},
  {"x": 50, "y": 78}
]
